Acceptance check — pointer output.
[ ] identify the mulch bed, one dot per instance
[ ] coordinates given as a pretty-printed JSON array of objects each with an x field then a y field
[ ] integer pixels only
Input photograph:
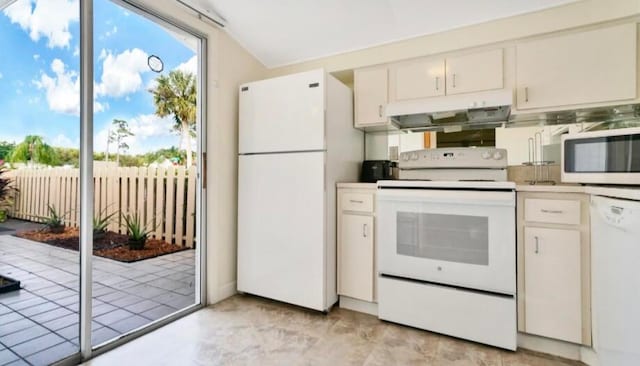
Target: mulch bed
[{"x": 112, "y": 245}]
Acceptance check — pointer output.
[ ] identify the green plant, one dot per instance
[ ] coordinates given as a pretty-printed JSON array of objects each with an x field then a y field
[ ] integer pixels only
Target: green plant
[
  {"x": 54, "y": 222},
  {"x": 136, "y": 231},
  {"x": 100, "y": 224},
  {"x": 6, "y": 194}
]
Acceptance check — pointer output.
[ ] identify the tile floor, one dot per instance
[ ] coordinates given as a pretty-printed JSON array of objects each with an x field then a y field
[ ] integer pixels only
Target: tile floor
[
  {"x": 246, "y": 330},
  {"x": 39, "y": 323}
]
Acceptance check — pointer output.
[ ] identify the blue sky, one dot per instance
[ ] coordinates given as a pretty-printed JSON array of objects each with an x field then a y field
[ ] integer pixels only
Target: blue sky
[{"x": 39, "y": 67}]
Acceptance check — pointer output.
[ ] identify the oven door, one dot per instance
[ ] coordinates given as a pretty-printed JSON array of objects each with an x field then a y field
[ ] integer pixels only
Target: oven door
[{"x": 457, "y": 237}]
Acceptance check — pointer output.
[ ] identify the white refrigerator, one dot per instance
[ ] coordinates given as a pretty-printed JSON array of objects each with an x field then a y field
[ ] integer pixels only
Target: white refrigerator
[{"x": 296, "y": 140}]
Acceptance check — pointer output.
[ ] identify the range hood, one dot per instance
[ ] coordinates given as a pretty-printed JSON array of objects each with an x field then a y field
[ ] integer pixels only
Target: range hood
[
  {"x": 453, "y": 112},
  {"x": 626, "y": 113}
]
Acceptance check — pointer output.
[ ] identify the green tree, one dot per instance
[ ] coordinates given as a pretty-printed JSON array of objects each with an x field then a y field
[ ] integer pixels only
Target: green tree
[
  {"x": 118, "y": 136},
  {"x": 176, "y": 95},
  {"x": 34, "y": 150},
  {"x": 6, "y": 148}
]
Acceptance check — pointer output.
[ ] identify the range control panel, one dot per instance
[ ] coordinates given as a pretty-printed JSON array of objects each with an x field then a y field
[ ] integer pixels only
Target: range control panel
[{"x": 454, "y": 158}]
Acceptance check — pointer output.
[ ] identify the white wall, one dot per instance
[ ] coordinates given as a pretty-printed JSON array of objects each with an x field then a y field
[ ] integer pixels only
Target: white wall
[{"x": 229, "y": 65}]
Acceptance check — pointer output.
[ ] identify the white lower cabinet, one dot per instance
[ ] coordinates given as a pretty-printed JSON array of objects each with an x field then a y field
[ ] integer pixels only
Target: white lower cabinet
[
  {"x": 552, "y": 282},
  {"x": 356, "y": 243},
  {"x": 356, "y": 253}
]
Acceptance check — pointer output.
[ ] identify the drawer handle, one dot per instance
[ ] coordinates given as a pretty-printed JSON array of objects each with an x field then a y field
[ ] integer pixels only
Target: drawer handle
[
  {"x": 551, "y": 211},
  {"x": 537, "y": 245},
  {"x": 454, "y": 80},
  {"x": 437, "y": 83},
  {"x": 356, "y": 201},
  {"x": 364, "y": 230},
  {"x": 380, "y": 111}
]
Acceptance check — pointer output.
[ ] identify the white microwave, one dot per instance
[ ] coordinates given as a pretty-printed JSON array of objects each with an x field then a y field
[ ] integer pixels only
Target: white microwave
[{"x": 602, "y": 157}]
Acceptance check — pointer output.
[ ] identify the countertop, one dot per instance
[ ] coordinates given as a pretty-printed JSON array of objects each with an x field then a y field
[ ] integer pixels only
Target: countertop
[
  {"x": 357, "y": 185},
  {"x": 624, "y": 192}
]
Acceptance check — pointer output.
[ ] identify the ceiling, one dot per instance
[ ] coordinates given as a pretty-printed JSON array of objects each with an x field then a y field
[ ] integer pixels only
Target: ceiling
[{"x": 281, "y": 32}]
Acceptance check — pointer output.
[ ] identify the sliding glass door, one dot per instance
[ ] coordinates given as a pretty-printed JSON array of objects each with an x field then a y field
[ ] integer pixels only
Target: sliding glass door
[{"x": 101, "y": 142}]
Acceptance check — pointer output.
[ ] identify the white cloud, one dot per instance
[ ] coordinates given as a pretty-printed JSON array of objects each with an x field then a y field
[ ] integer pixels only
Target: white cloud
[
  {"x": 76, "y": 51},
  {"x": 121, "y": 72},
  {"x": 189, "y": 66},
  {"x": 62, "y": 140},
  {"x": 45, "y": 18},
  {"x": 148, "y": 130},
  {"x": 63, "y": 89},
  {"x": 36, "y": 57},
  {"x": 110, "y": 32},
  {"x": 1, "y": 76}
]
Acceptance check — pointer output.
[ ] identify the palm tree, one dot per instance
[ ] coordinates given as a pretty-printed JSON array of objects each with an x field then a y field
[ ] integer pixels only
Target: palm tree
[
  {"x": 34, "y": 150},
  {"x": 175, "y": 95}
]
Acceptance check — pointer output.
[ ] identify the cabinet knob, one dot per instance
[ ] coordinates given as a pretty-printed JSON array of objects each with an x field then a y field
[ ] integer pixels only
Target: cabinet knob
[
  {"x": 526, "y": 94},
  {"x": 380, "y": 110},
  {"x": 454, "y": 80},
  {"x": 437, "y": 83}
]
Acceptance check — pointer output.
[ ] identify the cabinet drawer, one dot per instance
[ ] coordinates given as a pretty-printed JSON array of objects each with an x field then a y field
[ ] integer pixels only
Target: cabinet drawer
[
  {"x": 362, "y": 202},
  {"x": 552, "y": 211}
]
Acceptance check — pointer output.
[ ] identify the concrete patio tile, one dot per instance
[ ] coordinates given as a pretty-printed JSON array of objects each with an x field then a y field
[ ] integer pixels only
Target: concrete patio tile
[
  {"x": 50, "y": 315},
  {"x": 102, "y": 335},
  {"x": 130, "y": 323},
  {"x": 53, "y": 354},
  {"x": 112, "y": 317},
  {"x": 142, "y": 306},
  {"x": 72, "y": 331},
  {"x": 7, "y": 357},
  {"x": 15, "y": 326},
  {"x": 39, "y": 309},
  {"x": 49, "y": 290},
  {"x": 24, "y": 335},
  {"x": 113, "y": 296},
  {"x": 146, "y": 291},
  {"x": 62, "y": 321},
  {"x": 186, "y": 290},
  {"x": 158, "y": 312},
  {"x": 10, "y": 317},
  {"x": 102, "y": 291},
  {"x": 18, "y": 363},
  {"x": 166, "y": 284},
  {"x": 4, "y": 310},
  {"x": 102, "y": 308},
  {"x": 68, "y": 300},
  {"x": 37, "y": 344},
  {"x": 125, "y": 301},
  {"x": 175, "y": 300},
  {"x": 27, "y": 303},
  {"x": 62, "y": 294},
  {"x": 12, "y": 297}
]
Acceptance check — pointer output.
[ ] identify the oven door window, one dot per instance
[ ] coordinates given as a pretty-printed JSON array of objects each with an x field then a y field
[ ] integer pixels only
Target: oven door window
[{"x": 453, "y": 238}]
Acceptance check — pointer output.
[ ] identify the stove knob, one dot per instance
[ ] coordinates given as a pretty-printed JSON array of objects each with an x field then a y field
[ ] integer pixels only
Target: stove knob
[
  {"x": 414, "y": 156},
  {"x": 405, "y": 157},
  {"x": 486, "y": 155},
  {"x": 497, "y": 155}
]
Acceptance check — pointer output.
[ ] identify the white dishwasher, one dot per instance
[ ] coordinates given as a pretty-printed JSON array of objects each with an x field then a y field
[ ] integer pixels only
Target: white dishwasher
[{"x": 615, "y": 231}]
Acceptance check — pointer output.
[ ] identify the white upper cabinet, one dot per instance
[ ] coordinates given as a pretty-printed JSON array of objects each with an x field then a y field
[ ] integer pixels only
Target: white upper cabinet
[
  {"x": 589, "y": 67},
  {"x": 475, "y": 72},
  {"x": 371, "y": 96},
  {"x": 416, "y": 79}
]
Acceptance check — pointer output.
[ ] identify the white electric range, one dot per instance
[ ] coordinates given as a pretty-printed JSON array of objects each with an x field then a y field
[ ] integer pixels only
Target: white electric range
[{"x": 447, "y": 245}]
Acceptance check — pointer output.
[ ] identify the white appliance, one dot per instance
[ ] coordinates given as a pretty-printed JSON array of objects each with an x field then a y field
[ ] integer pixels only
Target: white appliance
[
  {"x": 601, "y": 157},
  {"x": 615, "y": 229},
  {"x": 296, "y": 141},
  {"x": 447, "y": 249}
]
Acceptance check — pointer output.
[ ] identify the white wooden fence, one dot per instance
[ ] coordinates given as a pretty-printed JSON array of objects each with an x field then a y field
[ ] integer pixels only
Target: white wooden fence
[{"x": 163, "y": 198}]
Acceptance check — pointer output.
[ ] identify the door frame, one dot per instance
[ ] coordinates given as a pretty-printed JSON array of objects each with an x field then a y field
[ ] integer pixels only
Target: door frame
[{"x": 87, "y": 351}]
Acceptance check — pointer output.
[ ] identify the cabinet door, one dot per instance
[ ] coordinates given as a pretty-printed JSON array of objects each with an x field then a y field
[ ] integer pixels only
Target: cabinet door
[
  {"x": 416, "y": 79},
  {"x": 371, "y": 96},
  {"x": 475, "y": 72},
  {"x": 553, "y": 301},
  {"x": 587, "y": 67},
  {"x": 356, "y": 257}
]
